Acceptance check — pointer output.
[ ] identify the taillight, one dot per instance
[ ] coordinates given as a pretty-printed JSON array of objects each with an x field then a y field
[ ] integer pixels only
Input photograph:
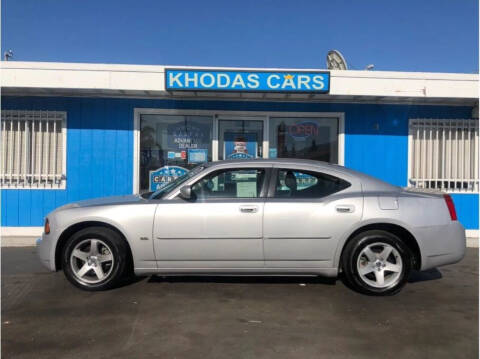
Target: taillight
[
  {"x": 46, "y": 229},
  {"x": 450, "y": 206}
]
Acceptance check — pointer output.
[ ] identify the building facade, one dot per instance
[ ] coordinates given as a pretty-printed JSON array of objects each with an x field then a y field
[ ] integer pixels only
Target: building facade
[{"x": 78, "y": 131}]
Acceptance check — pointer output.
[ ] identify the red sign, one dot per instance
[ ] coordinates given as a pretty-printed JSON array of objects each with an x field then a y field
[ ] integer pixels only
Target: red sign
[{"x": 303, "y": 130}]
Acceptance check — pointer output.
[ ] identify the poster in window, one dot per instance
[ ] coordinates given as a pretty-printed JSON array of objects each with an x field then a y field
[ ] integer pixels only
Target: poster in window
[{"x": 240, "y": 145}]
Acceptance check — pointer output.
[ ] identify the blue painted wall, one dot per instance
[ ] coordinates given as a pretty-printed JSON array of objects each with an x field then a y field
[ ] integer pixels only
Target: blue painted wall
[{"x": 100, "y": 146}]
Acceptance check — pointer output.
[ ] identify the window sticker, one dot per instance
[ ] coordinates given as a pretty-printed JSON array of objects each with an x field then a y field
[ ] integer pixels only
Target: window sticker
[
  {"x": 197, "y": 155},
  {"x": 164, "y": 175},
  {"x": 246, "y": 189},
  {"x": 183, "y": 135}
]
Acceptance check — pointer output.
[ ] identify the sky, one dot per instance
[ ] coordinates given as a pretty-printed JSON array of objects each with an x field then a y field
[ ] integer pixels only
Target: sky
[{"x": 408, "y": 35}]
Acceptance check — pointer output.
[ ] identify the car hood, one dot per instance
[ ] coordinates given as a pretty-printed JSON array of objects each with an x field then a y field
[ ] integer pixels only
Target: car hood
[{"x": 104, "y": 201}]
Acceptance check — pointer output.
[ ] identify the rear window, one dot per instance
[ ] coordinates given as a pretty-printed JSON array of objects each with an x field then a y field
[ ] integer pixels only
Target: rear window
[{"x": 305, "y": 184}]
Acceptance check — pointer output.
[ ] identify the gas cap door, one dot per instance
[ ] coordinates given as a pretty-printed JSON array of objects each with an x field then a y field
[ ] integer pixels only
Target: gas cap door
[{"x": 388, "y": 202}]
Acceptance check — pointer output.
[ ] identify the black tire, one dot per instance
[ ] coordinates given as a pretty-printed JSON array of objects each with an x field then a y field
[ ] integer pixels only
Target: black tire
[
  {"x": 119, "y": 251},
  {"x": 354, "y": 249}
]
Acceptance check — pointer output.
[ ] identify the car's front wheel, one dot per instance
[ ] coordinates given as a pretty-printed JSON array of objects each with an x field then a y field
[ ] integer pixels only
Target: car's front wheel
[
  {"x": 95, "y": 258},
  {"x": 376, "y": 262}
]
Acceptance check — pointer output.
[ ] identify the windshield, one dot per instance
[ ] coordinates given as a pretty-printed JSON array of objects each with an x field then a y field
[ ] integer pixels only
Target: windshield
[{"x": 167, "y": 187}]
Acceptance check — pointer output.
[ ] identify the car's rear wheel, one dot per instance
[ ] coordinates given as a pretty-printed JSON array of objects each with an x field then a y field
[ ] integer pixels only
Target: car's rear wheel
[
  {"x": 95, "y": 258},
  {"x": 377, "y": 262}
]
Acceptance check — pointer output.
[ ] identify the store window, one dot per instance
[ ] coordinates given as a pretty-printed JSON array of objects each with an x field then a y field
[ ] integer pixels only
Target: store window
[
  {"x": 444, "y": 154},
  {"x": 171, "y": 145},
  {"x": 304, "y": 137},
  {"x": 33, "y": 149}
]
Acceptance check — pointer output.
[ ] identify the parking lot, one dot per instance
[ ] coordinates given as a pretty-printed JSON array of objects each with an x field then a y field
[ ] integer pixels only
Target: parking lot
[{"x": 44, "y": 316}]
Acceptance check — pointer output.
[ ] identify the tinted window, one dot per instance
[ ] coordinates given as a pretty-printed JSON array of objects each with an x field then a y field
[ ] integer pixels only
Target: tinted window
[
  {"x": 236, "y": 183},
  {"x": 303, "y": 184}
]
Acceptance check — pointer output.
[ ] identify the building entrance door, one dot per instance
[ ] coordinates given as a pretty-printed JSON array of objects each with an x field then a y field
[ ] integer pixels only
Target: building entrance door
[{"x": 241, "y": 138}]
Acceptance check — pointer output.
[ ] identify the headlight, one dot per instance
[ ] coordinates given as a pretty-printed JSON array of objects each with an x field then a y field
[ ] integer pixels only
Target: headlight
[{"x": 46, "y": 228}]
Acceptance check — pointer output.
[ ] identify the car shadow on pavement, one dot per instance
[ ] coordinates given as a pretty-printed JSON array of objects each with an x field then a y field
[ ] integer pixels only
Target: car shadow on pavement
[
  {"x": 243, "y": 279},
  {"x": 415, "y": 276},
  {"x": 129, "y": 280},
  {"x": 431, "y": 274}
]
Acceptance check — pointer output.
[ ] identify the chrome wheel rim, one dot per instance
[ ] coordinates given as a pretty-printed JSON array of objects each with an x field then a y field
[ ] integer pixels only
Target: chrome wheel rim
[
  {"x": 91, "y": 261},
  {"x": 380, "y": 265}
]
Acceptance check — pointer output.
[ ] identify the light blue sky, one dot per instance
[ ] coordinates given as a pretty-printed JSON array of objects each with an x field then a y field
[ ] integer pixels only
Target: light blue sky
[{"x": 409, "y": 35}]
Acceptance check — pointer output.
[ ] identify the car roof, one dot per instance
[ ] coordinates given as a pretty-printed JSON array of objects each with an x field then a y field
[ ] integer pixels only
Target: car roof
[
  {"x": 270, "y": 160},
  {"x": 282, "y": 161}
]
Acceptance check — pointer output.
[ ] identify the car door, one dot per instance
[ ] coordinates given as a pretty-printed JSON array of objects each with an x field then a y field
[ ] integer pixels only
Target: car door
[
  {"x": 219, "y": 227},
  {"x": 305, "y": 214}
]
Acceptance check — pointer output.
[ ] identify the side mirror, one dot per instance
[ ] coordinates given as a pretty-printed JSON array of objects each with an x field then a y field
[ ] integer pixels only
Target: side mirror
[{"x": 186, "y": 192}]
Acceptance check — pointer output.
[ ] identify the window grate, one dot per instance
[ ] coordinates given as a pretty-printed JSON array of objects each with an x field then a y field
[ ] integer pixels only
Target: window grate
[
  {"x": 444, "y": 154},
  {"x": 33, "y": 149}
]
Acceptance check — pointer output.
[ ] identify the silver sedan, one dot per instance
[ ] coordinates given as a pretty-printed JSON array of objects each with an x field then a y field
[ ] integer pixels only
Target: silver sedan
[{"x": 269, "y": 217}]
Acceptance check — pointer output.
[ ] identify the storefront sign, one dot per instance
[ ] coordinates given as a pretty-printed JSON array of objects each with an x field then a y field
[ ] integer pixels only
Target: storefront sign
[
  {"x": 164, "y": 175},
  {"x": 253, "y": 81},
  {"x": 240, "y": 145}
]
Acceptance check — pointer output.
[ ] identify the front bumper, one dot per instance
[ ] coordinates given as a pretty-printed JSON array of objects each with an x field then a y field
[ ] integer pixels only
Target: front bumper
[{"x": 44, "y": 252}]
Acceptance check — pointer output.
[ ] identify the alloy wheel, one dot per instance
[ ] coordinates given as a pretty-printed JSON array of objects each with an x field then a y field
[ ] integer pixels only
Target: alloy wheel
[
  {"x": 380, "y": 265},
  {"x": 91, "y": 261}
]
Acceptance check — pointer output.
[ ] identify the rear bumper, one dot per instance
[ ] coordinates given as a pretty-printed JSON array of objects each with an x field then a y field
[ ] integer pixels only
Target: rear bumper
[
  {"x": 44, "y": 252},
  {"x": 441, "y": 245}
]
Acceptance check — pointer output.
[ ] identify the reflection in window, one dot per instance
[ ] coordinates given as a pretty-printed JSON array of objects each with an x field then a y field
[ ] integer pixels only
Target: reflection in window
[
  {"x": 170, "y": 146},
  {"x": 309, "y": 138},
  {"x": 230, "y": 184},
  {"x": 300, "y": 184}
]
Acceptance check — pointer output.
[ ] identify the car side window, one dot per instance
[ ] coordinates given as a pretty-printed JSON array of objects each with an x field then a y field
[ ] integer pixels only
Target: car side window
[
  {"x": 305, "y": 184},
  {"x": 231, "y": 183}
]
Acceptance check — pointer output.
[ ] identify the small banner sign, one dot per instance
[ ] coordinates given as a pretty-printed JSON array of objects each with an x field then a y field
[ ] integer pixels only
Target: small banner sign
[{"x": 252, "y": 81}]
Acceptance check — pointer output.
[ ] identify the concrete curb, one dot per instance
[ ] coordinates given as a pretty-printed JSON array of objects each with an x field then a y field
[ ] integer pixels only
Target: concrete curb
[
  {"x": 28, "y": 241},
  {"x": 18, "y": 241},
  {"x": 472, "y": 242}
]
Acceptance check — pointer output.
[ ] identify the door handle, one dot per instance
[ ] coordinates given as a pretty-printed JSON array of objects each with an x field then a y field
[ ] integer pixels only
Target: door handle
[
  {"x": 345, "y": 208},
  {"x": 248, "y": 209}
]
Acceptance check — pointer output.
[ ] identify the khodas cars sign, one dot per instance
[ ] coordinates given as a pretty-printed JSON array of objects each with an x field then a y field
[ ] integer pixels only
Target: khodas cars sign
[{"x": 252, "y": 81}]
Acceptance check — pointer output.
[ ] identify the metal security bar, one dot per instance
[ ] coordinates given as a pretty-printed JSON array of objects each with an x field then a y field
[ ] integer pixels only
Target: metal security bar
[
  {"x": 444, "y": 154},
  {"x": 33, "y": 149}
]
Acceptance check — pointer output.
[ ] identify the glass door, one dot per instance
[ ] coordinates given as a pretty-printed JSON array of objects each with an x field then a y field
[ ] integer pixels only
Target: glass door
[{"x": 241, "y": 138}]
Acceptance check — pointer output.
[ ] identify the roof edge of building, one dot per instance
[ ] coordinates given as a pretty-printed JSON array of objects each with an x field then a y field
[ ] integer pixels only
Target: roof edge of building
[{"x": 38, "y": 65}]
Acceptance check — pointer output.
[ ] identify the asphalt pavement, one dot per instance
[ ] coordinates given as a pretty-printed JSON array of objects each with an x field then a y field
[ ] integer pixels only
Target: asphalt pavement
[{"x": 44, "y": 316}]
